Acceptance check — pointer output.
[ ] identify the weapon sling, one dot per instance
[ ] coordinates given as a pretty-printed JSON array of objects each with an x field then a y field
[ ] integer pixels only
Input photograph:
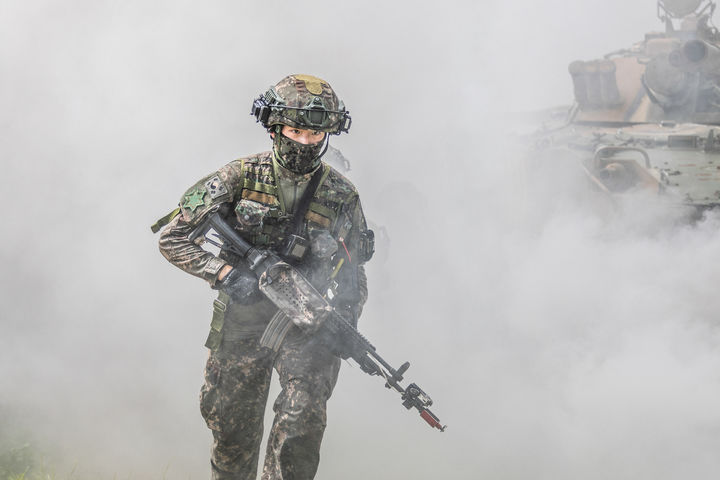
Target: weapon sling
[{"x": 280, "y": 324}]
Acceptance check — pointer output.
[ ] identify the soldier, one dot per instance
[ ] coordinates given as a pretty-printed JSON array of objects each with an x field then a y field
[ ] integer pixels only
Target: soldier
[{"x": 275, "y": 199}]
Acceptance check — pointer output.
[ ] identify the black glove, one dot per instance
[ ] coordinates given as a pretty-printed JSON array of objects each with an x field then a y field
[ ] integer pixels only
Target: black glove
[{"x": 241, "y": 285}]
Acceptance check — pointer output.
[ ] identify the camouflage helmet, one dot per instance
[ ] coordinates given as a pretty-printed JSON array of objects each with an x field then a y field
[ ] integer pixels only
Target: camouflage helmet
[{"x": 302, "y": 101}]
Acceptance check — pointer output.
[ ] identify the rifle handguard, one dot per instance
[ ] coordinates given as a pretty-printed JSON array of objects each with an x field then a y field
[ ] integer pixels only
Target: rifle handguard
[{"x": 295, "y": 296}]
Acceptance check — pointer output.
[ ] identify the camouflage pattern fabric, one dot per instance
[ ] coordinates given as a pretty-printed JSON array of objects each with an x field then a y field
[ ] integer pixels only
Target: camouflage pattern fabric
[
  {"x": 232, "y": 402},
  {"x": 238, "y": 371},
  {"x": 233, "y": 398}
]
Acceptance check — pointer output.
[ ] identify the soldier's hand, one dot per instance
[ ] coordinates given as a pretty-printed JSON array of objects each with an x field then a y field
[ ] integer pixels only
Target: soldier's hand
[{"x": 241, "y": 285}]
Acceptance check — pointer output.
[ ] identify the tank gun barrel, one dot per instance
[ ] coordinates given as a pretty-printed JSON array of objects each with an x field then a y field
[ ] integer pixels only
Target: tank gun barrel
[{"x": 696, "y": 56}]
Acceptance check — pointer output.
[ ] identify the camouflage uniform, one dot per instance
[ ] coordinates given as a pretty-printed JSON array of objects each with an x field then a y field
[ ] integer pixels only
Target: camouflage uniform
[{"x": 263, "y": 196}]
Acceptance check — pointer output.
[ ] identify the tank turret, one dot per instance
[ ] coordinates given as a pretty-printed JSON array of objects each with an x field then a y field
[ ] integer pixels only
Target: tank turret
[{"x": 672, "y": 75}]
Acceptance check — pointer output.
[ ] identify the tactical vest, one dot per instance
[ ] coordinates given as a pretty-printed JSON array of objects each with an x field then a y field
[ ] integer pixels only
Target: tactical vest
[{"x": 260, "y": 185}]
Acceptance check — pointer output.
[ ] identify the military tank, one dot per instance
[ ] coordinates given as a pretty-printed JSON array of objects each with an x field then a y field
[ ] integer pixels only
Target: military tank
[{"x": 647, "y": 118}]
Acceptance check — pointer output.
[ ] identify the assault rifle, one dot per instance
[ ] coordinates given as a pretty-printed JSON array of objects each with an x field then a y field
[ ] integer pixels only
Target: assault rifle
[{"x": 299, "y": 303}]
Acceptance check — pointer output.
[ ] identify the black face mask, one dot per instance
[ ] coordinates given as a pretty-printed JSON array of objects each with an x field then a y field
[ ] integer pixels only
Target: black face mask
[{"x": 298, "y": 157}]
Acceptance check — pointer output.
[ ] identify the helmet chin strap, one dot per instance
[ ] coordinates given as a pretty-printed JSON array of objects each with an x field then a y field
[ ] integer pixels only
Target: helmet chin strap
[{"x": 327, "y": 144}]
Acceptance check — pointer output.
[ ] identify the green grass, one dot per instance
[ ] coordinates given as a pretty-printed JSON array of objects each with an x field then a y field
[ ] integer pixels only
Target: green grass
[
  {"x": 16, "y": 462},
  {"x": 24, "y": 463}
]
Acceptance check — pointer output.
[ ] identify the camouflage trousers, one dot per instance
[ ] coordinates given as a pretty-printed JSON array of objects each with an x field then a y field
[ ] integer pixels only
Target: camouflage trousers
[{"x": 233, "y": 400}]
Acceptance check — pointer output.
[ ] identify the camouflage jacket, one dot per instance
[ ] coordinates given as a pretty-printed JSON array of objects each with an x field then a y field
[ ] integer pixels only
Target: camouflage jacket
[{"x": 262, "y": 214}]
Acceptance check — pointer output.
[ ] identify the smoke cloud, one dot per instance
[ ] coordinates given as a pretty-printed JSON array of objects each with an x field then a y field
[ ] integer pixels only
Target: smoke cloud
[{"x": 560, "y": 337}]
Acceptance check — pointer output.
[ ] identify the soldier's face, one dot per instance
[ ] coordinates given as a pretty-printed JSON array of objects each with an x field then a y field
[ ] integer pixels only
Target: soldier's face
[{"x": 300, "y": 135}]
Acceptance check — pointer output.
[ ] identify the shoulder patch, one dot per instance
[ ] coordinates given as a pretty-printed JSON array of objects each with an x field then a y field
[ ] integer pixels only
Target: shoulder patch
[
  {"x": 215, "y": 187},
  {"x": 194, "y": 199}
]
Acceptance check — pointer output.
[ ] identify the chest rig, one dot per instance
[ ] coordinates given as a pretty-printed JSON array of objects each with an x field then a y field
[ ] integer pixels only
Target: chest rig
[{"x": 260, "y": 210}]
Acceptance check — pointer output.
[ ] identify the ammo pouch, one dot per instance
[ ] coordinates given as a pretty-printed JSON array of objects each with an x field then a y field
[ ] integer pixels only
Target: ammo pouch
[
  {"x": 218, "y": 320},
  {"x": 366, "y": 247}
]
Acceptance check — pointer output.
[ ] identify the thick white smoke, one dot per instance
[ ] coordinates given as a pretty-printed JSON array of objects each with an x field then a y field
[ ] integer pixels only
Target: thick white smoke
[{"x": 560, "y": 338}]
